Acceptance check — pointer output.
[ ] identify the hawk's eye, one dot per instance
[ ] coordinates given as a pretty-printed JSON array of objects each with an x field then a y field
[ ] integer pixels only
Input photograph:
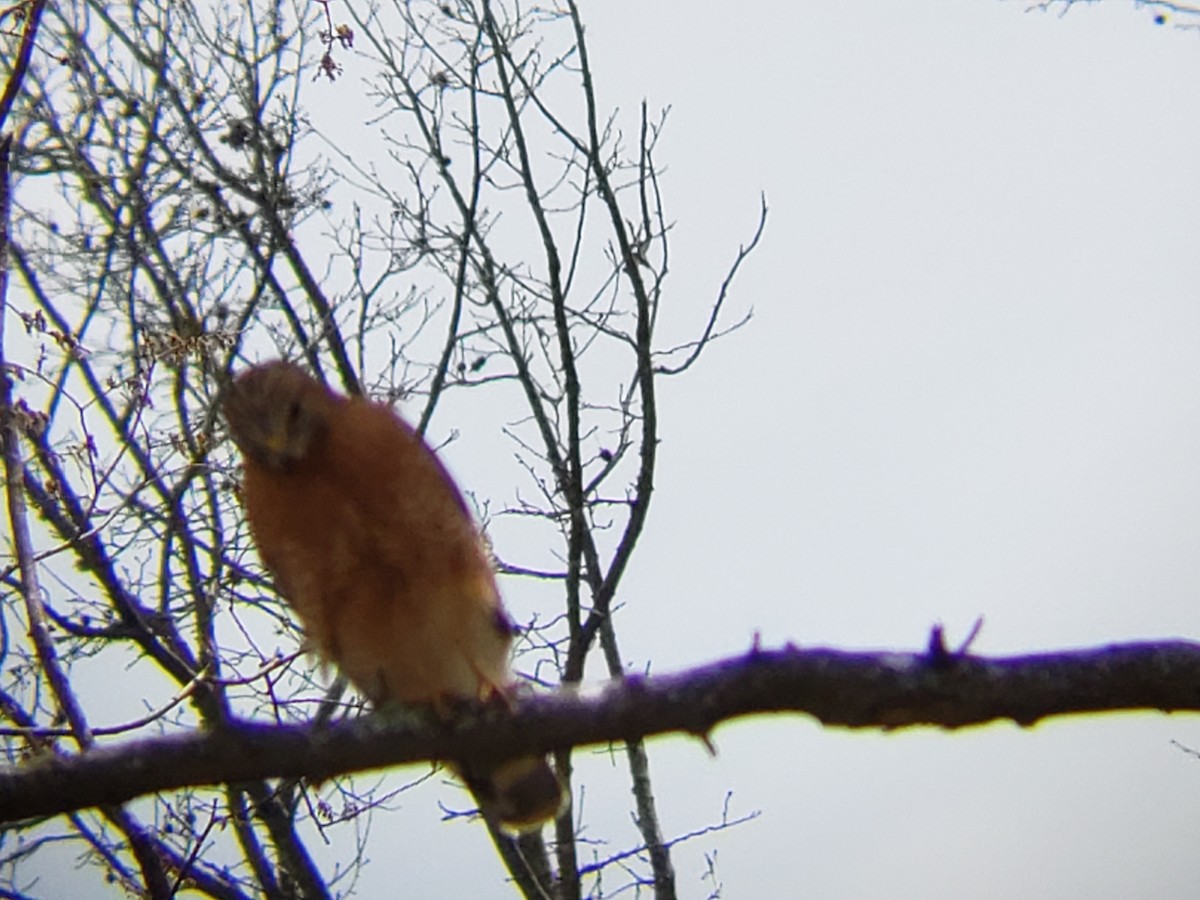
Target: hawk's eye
[{"x": 295, "y": 413}]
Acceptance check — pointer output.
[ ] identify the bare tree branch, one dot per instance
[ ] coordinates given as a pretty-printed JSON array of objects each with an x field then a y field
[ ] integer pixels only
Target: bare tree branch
[{"x": 877, "y": 690}]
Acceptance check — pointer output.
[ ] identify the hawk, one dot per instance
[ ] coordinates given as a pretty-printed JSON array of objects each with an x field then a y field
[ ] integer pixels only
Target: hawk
[{"x": 372, "y": 545}]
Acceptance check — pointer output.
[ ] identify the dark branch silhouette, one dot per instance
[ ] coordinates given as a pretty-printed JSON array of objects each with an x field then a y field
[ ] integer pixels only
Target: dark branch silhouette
[{"x": 879, "y": 690}]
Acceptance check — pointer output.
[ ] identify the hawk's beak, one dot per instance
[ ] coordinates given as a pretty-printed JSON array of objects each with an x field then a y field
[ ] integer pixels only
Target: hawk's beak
[
  {"x": 276, "y": 441},
  {"x": 275, "y": 446}
]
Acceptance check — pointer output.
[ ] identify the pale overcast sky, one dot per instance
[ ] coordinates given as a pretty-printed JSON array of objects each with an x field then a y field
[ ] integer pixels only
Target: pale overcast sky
[{"x": 971, "y": 387}]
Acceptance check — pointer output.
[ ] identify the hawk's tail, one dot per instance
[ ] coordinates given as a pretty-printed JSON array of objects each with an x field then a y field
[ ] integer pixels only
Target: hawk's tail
[{"x": 521, "y": 793}]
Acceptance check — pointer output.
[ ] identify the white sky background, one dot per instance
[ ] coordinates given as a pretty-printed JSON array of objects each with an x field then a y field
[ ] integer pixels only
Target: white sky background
[{"x": 971, "y": 387}]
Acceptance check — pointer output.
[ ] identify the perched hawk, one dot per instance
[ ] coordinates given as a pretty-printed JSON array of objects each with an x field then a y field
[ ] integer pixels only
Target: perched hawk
[{"x": 372, "y": 545}]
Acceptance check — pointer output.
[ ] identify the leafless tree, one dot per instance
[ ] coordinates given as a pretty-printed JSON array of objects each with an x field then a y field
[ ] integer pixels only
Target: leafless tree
[
  {"x": 170, "y": 212},
  {"x": 174, "y": 211}
]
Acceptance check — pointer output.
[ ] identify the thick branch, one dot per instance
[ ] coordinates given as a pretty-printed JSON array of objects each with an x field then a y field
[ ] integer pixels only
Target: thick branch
[{"x": 853, "y": 690}]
